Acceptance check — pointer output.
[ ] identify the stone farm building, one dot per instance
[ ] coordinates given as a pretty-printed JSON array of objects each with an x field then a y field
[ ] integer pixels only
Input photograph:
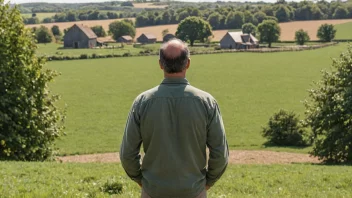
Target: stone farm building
[
  {"x": 167, "y": 37},
  {"x": 146, "y": 38},
  {"x": 125, "y": 39},
  {"x": 238, "y": 40},
  {"x": 79, "y": 36}
]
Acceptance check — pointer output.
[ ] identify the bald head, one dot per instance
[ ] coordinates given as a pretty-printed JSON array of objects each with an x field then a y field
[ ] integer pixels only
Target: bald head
[{"x": 174, "y": 56}]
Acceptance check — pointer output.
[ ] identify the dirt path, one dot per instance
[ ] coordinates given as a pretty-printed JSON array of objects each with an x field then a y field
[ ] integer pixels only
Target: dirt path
[{"x": 236, "y": 157}]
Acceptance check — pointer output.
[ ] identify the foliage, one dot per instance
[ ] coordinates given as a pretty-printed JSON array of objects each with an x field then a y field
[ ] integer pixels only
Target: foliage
[
  {"x": 214, "y": 20},
  {"x": 112, "y": 187},
  {"x": 29, "y": 122},
  {"x": 282, "y": 14},
  {"x": 56, "y": 30},
  {"x": 326, "y": 32},
  {"x": 121, "y": 28},
  {"x": 341, "y": 13},
  {"x": 329, "y": 112},
  {"x": 260, "y": 16},
  {"x": 249, "y": 28},
  {"x": 234, "y": 20},
  {"x": 301, "y": 37},
  {"x": 192, "y": 29},
  {"x": 43, "y": 35},
  {"x": 127, "y": 3},
  {"x": 99, "y": 31},
  {"x": 165, "y": 32},
  {"x": 269, "y": 31},
  {"x": 283, "y": 129}
]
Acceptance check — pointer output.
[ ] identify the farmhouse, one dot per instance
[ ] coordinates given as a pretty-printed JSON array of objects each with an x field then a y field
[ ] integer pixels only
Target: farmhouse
[
  {"x": 125, "y": 39},
  {"x": 167, "y": 37},
  {"x": 79, "y": 36},
  {"x": 146, "y": 38},
  {"x": 238, "y": 40}
]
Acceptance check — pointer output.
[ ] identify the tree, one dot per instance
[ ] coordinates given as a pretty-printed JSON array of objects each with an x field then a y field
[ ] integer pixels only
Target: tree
[
  {"x": 56, "y": 30},
  {"x": 192, "y": 29},
  {"x": 214, "y": 20},
  {"x": 301, "y": 37},
  {"x": 269, "y": 31},
  {"x": 235, "y": 20},
  {"x": 121, "y": 28},
  {"x": 99, "y": 31},
  {"x": 249, "y": 18},
  {"x": 340, "y": 13},
  {"x": 165, "y": 32},
  {"x": 260, "y": 16},
  {"x": 182, "y": 15},
  {"x": 271, "y": 18},
  {"x": 329, "y": 112},
  {"x": 282, "y": 14},
  {"x": 71, "y": 16},
  {"x": 30, "y": 122},
  {"x": 43, "y": 35},
  {"x": 249, "y": 28},
  {"x": 33, "y": 20},
  {"x": 127, "y": 4},
  {"x": 103, "y": 16},
  {"x": 48, "y": 20},
  {"x": 326, "y": 32}
]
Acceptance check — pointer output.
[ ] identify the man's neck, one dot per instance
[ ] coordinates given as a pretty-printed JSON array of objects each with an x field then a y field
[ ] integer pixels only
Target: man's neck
[{"x": 175, "y": 75}]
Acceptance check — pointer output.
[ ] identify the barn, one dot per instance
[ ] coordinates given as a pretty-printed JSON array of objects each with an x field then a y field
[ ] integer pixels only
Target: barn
[
  {"x": 146, "y": 38},
  {"x": 79, "y": 36},
  {"x": 168, "y": 37},
  {"x": 125, "y": 39},
  {"x": 238, "y": 40}
]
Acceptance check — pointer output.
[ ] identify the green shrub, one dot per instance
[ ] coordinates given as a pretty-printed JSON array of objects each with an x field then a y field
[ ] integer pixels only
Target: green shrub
[
  {"x": 283, "y": 129},
  {"x": 83, "y": 56},
  {"x": 329, "y": 112},
  {"x": 127, "y": 54},
  {"x": 29, "y": 119},
  {"x": 112, "y": 187}
]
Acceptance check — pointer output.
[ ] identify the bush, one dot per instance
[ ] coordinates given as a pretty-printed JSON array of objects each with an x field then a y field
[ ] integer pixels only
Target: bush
[
  {"x": 301, "y": 37},
  {"x": 43, "y": 35},
  {"x": 283, "y": 129},
  {"x": 329, "y": 112},
  {"x": 112, "y": 187},
  {"x": 29, "y": 119},
  {"x": 326, "y": 32},
  {"x": 83, "y": 56}
]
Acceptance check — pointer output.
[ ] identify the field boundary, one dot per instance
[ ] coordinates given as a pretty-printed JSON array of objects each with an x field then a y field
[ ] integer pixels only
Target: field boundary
[
  {"x": 235, "y": 157},
  {"x": 258, "y": 50}
]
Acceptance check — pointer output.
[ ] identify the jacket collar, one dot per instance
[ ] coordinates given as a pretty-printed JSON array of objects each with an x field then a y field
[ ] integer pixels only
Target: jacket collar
[{"x": 175, "y": 81}]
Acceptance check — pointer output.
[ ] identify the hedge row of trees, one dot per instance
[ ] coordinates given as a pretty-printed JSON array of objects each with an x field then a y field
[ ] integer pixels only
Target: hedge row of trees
[
  {"x": 230, "y": 17},
  {"x": 79, "y": 16}
]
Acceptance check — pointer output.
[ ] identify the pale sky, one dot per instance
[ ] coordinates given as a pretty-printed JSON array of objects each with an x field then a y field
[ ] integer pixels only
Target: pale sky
[{"x": 85, "y": 1}]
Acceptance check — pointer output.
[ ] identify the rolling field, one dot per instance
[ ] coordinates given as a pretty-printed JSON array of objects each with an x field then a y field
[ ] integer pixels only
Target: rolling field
[
  {"x": 344, "y": 31},
  {"x": 36, "y": 180},
  {"x": 288, "y": 29},
  {"x": 40, "y": 16},
  {"x": 249, "y": 87}
]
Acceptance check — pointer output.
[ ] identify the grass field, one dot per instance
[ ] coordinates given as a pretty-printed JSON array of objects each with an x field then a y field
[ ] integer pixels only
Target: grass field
[
  {"x": 40, "y": 16},
  {"x": 35, "y": 180},
  {"x": 249, "y": 87},
  {"x": 344, "y": 31}
]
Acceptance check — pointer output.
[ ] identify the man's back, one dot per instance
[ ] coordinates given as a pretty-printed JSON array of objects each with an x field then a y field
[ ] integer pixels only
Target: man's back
[{"x": 176, "y": 123}]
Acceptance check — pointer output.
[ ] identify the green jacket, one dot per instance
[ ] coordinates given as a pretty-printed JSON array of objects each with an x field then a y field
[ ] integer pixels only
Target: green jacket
[{"x": 175, "y": 122}]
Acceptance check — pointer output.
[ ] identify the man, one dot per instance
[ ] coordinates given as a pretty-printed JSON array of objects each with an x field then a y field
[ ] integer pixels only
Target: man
[{"x": 175, "y": 122}]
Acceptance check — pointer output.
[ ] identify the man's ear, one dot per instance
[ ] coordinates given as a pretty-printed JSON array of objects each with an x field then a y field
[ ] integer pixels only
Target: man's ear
[
  {"x": 188, "y": 63},
  {"x": 161, "y": 66}
]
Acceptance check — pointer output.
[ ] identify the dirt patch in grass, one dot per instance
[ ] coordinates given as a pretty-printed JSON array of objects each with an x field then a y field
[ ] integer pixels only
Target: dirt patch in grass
[{"x": 236, "y": 157}]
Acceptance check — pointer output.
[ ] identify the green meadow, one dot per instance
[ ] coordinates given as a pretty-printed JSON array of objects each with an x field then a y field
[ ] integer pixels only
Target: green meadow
[
  {"x": 249, "y": 87},
  {"x": 36, "y": 180},
  {"x": 344, "y": 31},
  {"x": 40, "y": 16}
]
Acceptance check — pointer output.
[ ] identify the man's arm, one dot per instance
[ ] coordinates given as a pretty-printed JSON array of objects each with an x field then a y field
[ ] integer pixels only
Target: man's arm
[
  {"x": 131, "y": 144},
  {"x": 217, "y": 144}
]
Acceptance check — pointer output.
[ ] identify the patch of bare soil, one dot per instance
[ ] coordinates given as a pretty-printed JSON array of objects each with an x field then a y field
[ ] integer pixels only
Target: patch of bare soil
[{"x": 236, "y": 157}]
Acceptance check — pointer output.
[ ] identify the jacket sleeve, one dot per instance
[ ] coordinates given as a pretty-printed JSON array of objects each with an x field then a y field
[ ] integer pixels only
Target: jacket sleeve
[
  {"x": 131, "y": 144},
  {"x": 217, "y": 144}
]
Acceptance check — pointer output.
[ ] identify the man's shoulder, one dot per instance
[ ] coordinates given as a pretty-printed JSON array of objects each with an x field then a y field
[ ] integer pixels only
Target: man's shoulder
[{"x": 196, "y": 92}]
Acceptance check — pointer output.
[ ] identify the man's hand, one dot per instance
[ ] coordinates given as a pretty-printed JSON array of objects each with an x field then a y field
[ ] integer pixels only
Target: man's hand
[{"x": 207, "y": 187}]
